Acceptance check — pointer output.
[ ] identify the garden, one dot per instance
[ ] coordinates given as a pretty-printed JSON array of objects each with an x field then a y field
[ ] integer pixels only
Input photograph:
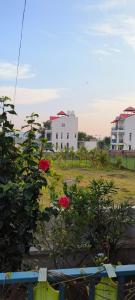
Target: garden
[{"x": 81, "y": 224}]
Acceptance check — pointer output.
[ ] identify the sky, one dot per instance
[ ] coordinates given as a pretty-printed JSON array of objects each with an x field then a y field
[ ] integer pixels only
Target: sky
[{"x": 76, "y": 55}]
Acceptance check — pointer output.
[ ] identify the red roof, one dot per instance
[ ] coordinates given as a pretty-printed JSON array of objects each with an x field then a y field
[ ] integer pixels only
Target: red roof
[
  {"x": 124, "y": 116},
  {"x": 61, "y": 113},
  {"x": 130, "y": 108},
  {"x": 121, "y": 117},
  {"x": 52, "y": 118}
]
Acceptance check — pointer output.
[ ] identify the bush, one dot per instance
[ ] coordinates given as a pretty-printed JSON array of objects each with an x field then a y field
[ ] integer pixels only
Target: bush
[
  {"x": 21, "y": 181},
  {"x": 86, "y": 220},
  {"x": 118, "y": 162}
]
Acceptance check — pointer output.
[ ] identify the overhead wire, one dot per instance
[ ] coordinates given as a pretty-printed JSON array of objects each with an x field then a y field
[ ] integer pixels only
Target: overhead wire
[{"x": 19, "y": 51}]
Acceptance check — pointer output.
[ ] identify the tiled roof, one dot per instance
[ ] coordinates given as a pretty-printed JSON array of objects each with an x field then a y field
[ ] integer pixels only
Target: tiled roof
[
  {"x": 124, "y": 116},
  {"x": 121, "y": 117},
  {"x": 61, "y": 113},
  {"x": 130, "y": 109},
  {"x": 52, "y": 118}
]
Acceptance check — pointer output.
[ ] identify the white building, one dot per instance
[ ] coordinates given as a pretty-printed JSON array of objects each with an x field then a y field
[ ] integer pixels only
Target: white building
[
  {"x": 89, "y": 145},
  {"x": 123, "y": 131},
  {"x": 62, "y": 131}
]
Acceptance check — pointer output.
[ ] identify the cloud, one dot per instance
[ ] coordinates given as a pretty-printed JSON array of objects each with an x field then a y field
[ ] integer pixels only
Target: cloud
[
  {"x": 8, "y": 71},
  {"x": 106, "y": 52},
  {"x": 104, "y": 29},
  {"x": 119, "y": 26},
  {"x": 106, "y": 5},
  {"x": 30, "y": 95}
]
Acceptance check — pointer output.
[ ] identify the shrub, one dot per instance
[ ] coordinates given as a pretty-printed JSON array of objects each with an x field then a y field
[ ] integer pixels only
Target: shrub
[
  {"x": 118, "y": 162},
  {"x": 21, "y": 181},
  {"x": 88, "y": 221}
]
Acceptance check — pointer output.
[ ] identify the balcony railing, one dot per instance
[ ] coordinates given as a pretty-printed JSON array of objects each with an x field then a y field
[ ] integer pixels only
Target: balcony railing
[
  {"x": 117, "y": 128},
  {"x": 114, "y": 141},
  {"x": 31, "y": 278}
]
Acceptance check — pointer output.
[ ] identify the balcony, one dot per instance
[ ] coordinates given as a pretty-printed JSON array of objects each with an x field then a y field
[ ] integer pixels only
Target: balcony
[
  {"x": 120, "y": 141},
  {"x": 83, "y": 279},
  {"x": 114, "y": 141},
  {"x": 117, "y": 129}
]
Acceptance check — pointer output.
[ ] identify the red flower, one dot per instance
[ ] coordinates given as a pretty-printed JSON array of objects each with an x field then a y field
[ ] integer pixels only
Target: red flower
[
  {"x": 44, "y": 165},
  {"x": 64, "y": 201}
]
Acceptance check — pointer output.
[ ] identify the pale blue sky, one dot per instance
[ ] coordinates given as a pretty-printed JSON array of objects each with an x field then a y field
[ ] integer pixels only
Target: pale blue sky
[{"x": 76, "y": 55}]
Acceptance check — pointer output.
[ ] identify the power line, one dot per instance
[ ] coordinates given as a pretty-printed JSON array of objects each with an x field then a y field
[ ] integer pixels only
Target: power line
[{"x": 19, "y": 51}]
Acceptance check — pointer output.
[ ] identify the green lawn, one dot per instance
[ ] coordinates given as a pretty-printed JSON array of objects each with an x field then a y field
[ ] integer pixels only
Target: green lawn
[
  {"x": 127, "y": 162},
  {"x": 124, "y": 180}
]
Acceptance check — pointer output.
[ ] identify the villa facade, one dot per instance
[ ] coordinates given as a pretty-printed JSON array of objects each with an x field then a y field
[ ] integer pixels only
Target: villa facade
[
  {"x": 123, "y": 131},
  {"x": 62, "y": 131}
]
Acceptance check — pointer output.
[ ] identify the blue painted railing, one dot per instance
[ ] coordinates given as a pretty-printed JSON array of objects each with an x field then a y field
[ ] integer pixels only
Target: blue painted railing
[{"x": 30, "y": 278}]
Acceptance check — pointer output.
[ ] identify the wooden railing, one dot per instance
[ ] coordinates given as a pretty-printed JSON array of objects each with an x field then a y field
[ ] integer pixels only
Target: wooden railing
[{"x": 31, "y": 278}]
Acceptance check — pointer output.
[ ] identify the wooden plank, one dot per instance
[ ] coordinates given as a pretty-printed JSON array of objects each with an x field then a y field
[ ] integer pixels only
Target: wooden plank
[
  {"x": 121, "y": 281},
  {"x": 92, "y": 291},
  {"x": 61, "y": 290},
  {"x": 15, "y": 277},
  {"x": 30, "y": 292},
  {"x": 121, "y": 271}
]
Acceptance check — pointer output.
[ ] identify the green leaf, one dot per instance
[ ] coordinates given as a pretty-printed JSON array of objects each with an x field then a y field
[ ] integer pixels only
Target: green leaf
[
  {"x": 37, "y": 124},
  {"x": 30, "y": 121},
  {"x": 9, "y": 105},
  {"x": 12, "y": 112},
  {"x": 4, "y": 99}
]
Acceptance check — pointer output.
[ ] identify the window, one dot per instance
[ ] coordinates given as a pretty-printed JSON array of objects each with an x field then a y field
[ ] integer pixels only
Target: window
[
  {"x": 130, "y": 147},
  {"x": 63, "y": 125},
  {"x": 130, "y": 136},
  {"x": 48, "y": 136},
  {"x": 61, "y": 146},
  {"x": 56, "y": 146},
  {"x": 61, "y": 135},
  {"x": 57, "y": 136},
  {"x": 67, "y": 135},
  {"x": 67, "y": 145},
  {"x": 75, "y": 135}
]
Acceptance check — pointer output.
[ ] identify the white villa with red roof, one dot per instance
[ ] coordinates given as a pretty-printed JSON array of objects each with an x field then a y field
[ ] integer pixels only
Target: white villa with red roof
[
  {"x": 63, "y": 131},
  {"x": 123, "y": 131}
]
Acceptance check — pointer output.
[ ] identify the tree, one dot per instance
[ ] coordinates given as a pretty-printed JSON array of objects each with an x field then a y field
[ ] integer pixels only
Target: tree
[
  {"x": 104, "y": 143},
  {"x": 47, "y": 125},
  {"x": 82, "y": 136}
]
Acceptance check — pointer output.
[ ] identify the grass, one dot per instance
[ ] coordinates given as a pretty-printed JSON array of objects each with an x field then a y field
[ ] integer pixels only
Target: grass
[
  {"x": 127, "y": 162},
  {"x": 124, "y": 180}
]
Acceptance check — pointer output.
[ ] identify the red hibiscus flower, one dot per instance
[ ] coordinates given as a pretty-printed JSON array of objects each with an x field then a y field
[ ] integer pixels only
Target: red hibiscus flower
[
  {"x": 44, "y": 165},
  {"x": 64, "y": 202}
]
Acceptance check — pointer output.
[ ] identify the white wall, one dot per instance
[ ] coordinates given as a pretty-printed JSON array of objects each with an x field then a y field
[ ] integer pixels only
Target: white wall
[
  {"x": 89, "y": 145},
  {"x": 63, "y": 126},
  {"x": 129, "y": 128}
]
